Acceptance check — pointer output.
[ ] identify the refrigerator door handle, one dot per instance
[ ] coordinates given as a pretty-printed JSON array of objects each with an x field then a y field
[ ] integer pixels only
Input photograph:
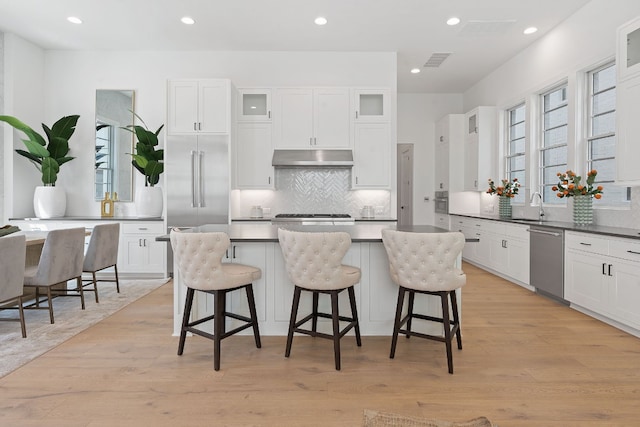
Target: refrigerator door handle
[
  {"x": 200, "y": 180},
  {"x": 193, "y": 179}
]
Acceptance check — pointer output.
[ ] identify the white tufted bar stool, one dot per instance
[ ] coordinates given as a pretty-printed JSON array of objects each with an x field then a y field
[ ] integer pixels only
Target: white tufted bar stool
[
  {"x": 425, "y": 263},
  {"x": 199, "y": 258},
  {"x": 314, "y": 263}
]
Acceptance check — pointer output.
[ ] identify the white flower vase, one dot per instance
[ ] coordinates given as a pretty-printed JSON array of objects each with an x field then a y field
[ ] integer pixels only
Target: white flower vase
[
  {"x": 149, "y": 202},
  {"x": 49, "y": 202},
  {"x": 583, "y": 210},
  {"x": 504, "y": 207}
]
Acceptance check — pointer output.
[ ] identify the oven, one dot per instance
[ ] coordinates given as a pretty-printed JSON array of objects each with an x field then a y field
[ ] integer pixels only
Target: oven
[
  {"x": 441, "y": 202},
  {"x": 313, "y": 219}
]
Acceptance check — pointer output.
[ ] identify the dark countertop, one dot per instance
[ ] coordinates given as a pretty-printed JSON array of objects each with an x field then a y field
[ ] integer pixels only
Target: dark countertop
[
  {"x": 269, "y": 233},
  {"x": 568, "y": 226},
  {"x": 357, "y": 219},
  {"x": 91, "y": 218}
]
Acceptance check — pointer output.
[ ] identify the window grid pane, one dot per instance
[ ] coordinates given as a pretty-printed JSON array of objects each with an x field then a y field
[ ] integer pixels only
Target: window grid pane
[
  {"x": 516, "y": 145},
  {"x": 553, "y": 147},
  {"x": 601, "y": 141}
]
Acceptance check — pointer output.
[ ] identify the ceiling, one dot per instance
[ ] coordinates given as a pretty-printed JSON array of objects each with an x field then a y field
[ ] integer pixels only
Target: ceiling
[{"x": 490, "y": 31}]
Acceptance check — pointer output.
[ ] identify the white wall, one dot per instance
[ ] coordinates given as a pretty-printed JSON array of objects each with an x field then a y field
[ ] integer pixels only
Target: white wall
[
  {"x": 417, "y": 115},
  {"x": 69, "y": 81},
  {"x": 583, "y": 40},
  {"x": 23, "y": 98}
]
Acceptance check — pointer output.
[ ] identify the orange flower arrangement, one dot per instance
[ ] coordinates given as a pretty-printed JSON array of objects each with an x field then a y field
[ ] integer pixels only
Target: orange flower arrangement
[
  {"x": 507, "y": 189},
  {"x": 570, "y": 185}
]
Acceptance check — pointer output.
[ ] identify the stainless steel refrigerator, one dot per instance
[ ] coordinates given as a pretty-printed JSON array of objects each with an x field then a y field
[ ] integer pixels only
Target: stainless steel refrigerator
[{"x": 197, "y": 182}]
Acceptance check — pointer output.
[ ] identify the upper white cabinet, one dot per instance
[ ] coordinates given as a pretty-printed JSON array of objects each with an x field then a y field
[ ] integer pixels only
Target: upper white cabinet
[
  {"x": 480, "y": 134},
  {"x": 198, "y": 106},
  {"x": 628, "y": 104},
  {"x": 449, "y": 144},
  {"x": 253, "y": 152},
  {"x": 371, "y": 155},
  {"x": 312, "y": 118},
  {"x": 254, "y": 105},
  {"x": 371, "y": 105},
  {"x": 628, "y": 49}
]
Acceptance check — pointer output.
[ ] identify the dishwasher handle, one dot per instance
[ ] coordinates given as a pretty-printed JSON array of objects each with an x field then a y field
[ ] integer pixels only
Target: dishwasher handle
[{"x": 550, "y": 233}]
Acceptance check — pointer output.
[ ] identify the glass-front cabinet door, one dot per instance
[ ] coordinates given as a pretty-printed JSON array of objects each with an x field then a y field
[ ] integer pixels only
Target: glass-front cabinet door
[
  {"x": 254, "y": 104},
  {"x": 371, "y": 105},
  {"x": 628, "y": 57}
]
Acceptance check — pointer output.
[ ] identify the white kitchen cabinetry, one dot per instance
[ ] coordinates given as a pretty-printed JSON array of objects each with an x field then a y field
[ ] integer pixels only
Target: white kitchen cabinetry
[
  {"x": 254, "y": 105},
  {"x": 449, "y": 146},
  {"x": 442, "y": 221},
  {"x": 139, "y": 252},
  {"x": 480, "y": 135},
  {"x": 371, "y": 155},
  {"x": 198, "y": 106},
  {"x": 503, "y": 248},
  {"x": 312, "y": 118},
  {"x": 371, "y": 105},
  {"x": 253, "y": 151},
  {"x": 602, "y": 275}
]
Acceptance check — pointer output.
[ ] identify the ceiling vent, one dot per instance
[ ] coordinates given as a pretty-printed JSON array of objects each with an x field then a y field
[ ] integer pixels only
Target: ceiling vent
[
  {"x": 486, "y": 28},
  {"x": 436, "y": 60}
]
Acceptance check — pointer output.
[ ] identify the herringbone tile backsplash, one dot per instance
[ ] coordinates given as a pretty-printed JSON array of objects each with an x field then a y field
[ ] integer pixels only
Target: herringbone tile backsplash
[{"x": 317, "y": 190}]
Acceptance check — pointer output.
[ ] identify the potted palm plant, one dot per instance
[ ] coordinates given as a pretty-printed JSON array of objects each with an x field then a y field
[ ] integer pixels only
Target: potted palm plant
[
  {"x": 47, "y": 155},
  {"x": 148, "y": 159}
]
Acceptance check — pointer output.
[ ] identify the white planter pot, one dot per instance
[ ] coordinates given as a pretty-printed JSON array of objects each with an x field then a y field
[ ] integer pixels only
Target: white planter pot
[
  {"x": 49, "y": 202},
  {"x": 149, "y": 202}
]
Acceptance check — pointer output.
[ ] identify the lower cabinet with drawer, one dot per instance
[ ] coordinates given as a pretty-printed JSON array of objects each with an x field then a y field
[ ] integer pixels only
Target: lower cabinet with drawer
[
  {"x": 602, "y": 275},
  {"x": 139, "y": 252}
]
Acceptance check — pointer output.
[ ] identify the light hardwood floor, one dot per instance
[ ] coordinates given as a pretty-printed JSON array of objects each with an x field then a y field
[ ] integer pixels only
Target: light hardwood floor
[{"x": 526, "y": 361}]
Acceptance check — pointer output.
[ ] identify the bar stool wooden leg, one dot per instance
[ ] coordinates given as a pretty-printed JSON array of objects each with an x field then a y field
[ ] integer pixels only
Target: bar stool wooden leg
[
  {"x": 292, "y": 321},
  {"x": 456, "y": 318},
  {"x": 335, "y": 317},
  {"x": 115, "y": 268},
  {"x": 447, "y": 328},
  {"x": 254, "y": 315},
  {"x": 412, "y": 296},
  {"x": 185, "y": 319},
  {"x": 50, "y": 302},
  {"x": 354, "y": 314},
  {"x": 95, "y": 285},
  {"x": 218, "y": 325},
  {"x": 396, "y": 323},
  {"x": 79, "y": 285},
  {"x": 22, "y": 325},
  {"x": 314, "y": 320}
]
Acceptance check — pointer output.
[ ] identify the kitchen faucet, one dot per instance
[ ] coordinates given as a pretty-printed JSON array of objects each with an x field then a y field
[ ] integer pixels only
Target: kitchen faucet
[{"x": 540, "y": 209}]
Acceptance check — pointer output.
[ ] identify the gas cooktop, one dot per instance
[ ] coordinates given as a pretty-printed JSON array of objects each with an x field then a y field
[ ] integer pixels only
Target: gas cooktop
[{"x": 313, "y": 218}]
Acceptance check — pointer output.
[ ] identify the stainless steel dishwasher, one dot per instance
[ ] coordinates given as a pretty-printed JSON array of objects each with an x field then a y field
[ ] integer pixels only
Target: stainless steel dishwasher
[{"x": 546, "y": 257}]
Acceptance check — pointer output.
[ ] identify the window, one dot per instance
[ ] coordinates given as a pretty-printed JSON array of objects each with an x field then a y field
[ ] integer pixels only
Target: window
[
  {"x": 601, "y": 137},
  {"x": 553, "y": 146},
  {"x": 515, "y": 150}
]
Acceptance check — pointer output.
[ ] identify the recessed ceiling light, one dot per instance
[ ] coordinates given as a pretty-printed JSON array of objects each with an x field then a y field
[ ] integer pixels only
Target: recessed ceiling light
[
  {"x": 415, "y": 70},
  {"x": 453, "y": 21},
  {"x": 530, "y": 30},
  {"x": 187, "y": 20},
  {"x": 320, "y": 20},
  {"x": 74, "y": 20}
]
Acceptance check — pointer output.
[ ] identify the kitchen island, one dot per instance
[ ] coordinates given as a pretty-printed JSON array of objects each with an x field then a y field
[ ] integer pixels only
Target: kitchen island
[{"x": 257, "y": 245}]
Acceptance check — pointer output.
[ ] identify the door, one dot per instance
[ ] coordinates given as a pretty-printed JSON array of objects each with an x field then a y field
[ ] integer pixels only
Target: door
[
  {"x": 371, "y": 155},
  {"x": 293, "y": 119},
  {"x": 180, "y": 182},
  {"x": 405, "y": 184},
  {"x": 182, "y": 116},
  {"x": 213, "y": 106},
  {"x": 213, "y": 185},
  {"x": 331, "y": 122},
  {"x": 253, "y": 156}
]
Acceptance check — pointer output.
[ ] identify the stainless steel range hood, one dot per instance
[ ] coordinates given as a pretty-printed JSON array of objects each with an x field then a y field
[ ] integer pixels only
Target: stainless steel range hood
[{"x": 312, "y": 158}]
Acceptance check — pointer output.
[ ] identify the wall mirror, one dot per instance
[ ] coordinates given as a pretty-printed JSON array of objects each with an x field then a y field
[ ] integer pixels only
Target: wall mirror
[{"x": 113, "y": 169}]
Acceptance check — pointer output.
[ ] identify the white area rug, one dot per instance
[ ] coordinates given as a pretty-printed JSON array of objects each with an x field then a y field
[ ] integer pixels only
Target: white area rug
[{"x": 69, "y": 318}]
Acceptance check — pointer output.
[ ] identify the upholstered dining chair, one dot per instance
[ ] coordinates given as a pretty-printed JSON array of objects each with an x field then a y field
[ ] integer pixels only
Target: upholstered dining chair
[
  {"x": 199, "y": 259},
  {"x": 12, "y": 258},
  {"x": 425, "y": 263},
  {"x": 102, "y": 253},
  {"x": 314, "y": 263},
  {"x": 60, "y": 261}
]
